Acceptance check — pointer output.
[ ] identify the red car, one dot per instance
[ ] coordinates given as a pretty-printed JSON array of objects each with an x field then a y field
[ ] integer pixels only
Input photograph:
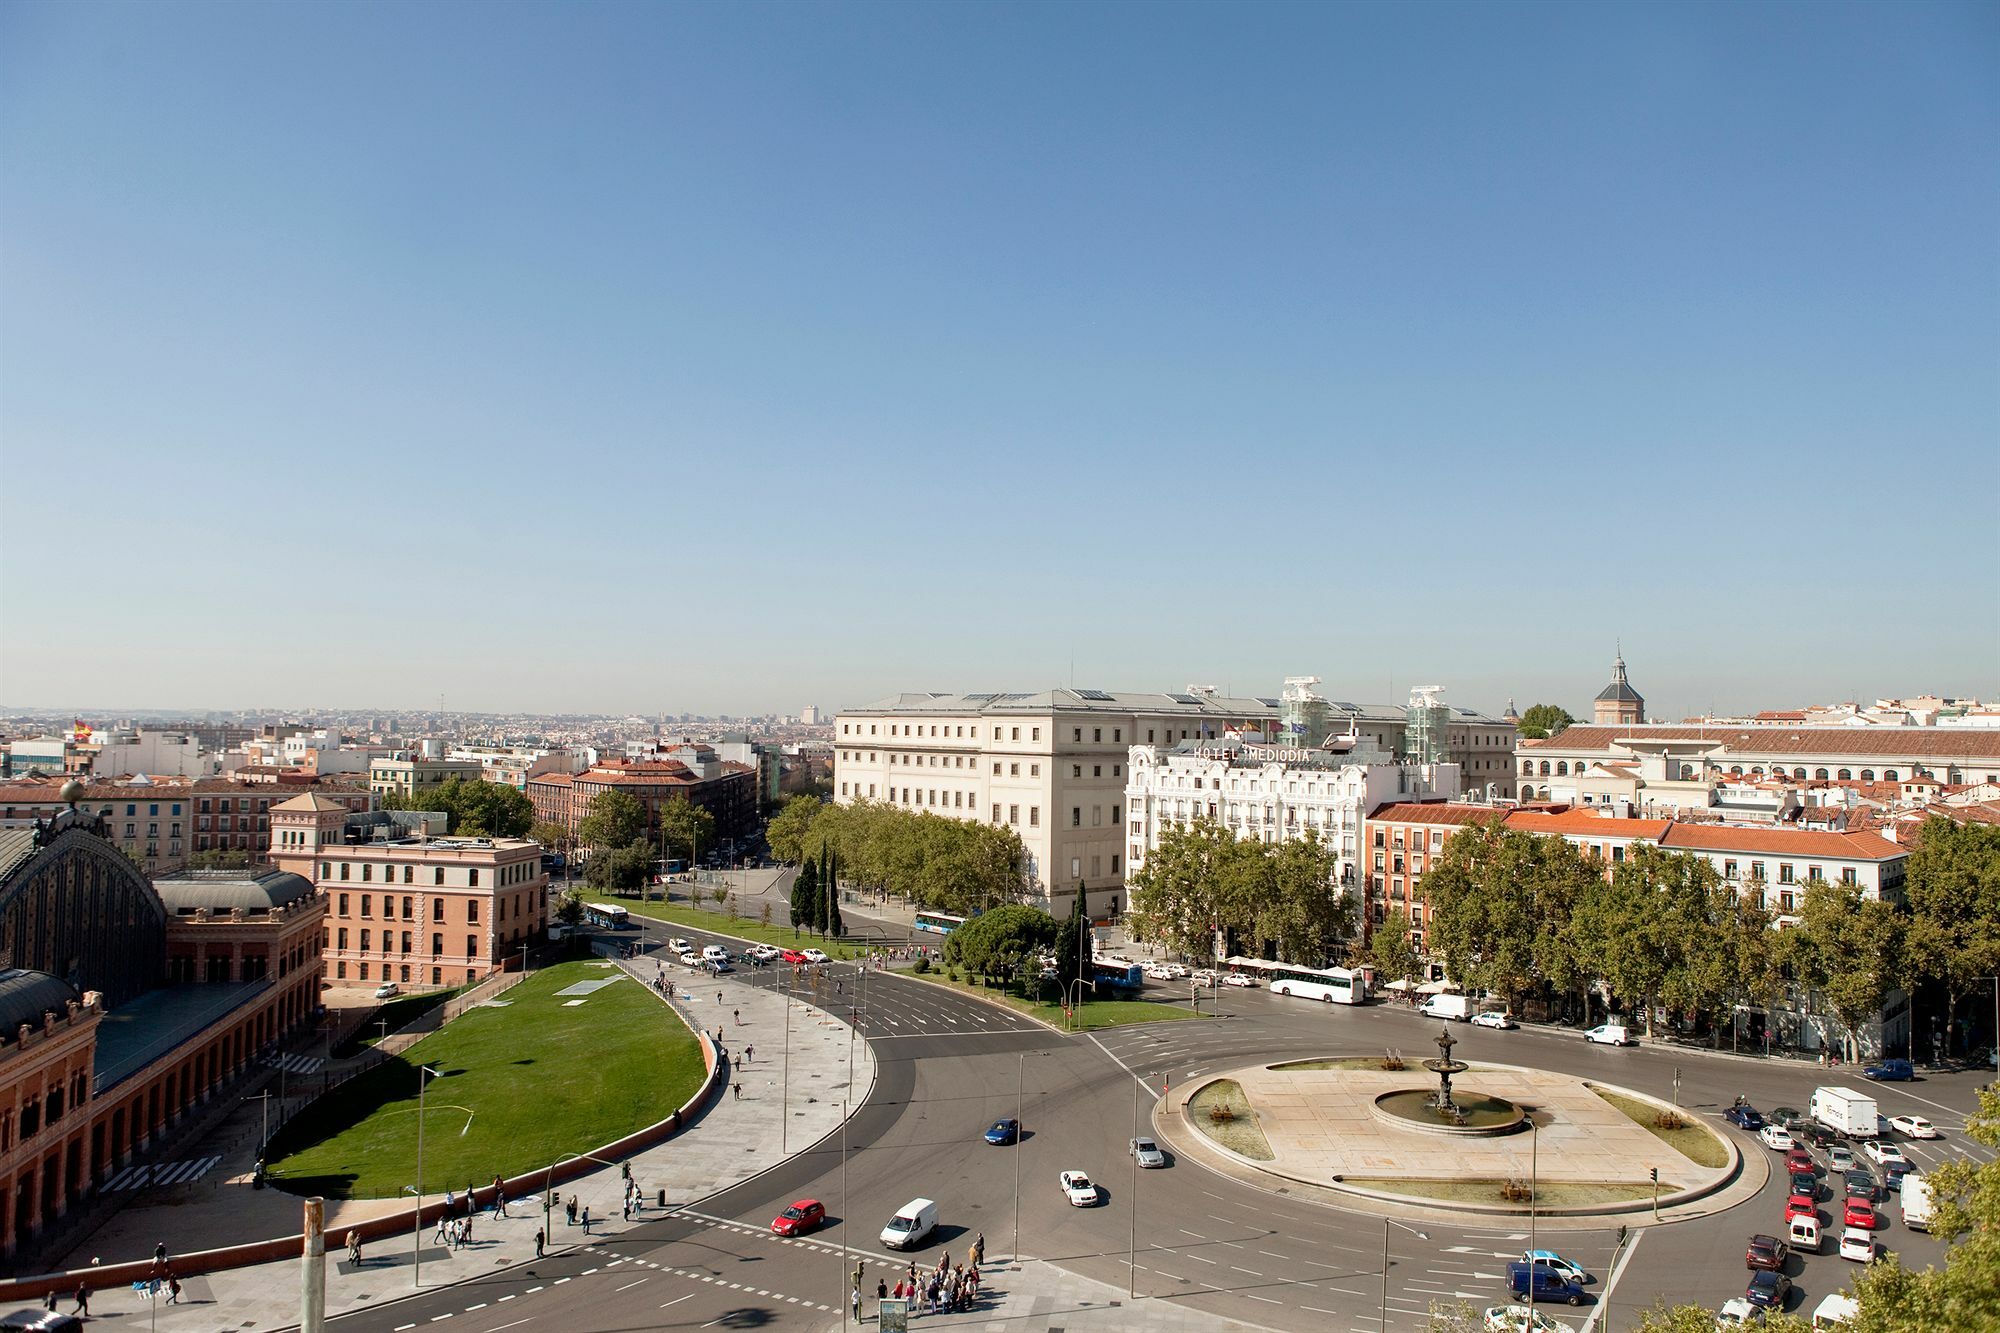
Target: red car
[
  {"x": 1799, "y": 1206},
  {"x": 1798, "y": 1159},
  {"x": 792, "y": 956},
  {"x": 803, "y": 1216},
  {"x": 1859, "y": 1214}
]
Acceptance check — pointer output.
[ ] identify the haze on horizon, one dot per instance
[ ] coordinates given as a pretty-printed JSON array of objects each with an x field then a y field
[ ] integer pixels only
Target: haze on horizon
[{"x": 723, "y": 359}]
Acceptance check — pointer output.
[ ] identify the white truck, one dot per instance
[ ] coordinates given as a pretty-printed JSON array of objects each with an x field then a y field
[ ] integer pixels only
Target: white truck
[
  {"x": 1917, "y": 1202},
  {"x": 1460, "y": 1007},
  {"x": 1844, "y": 1111}
]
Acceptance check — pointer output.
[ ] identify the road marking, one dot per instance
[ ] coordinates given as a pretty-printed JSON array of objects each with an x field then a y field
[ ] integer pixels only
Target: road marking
[
  {"x": 436, "y": 1317},
  {"x": 675, "y": 1301},
  {"x": 531, "y": 1291},
  {"x": 1237, "y": 1268},
  {"x": 1203, "y": 1259},
  {"x": 1268, "y": 1255},
  {"x": 1266, "y": 1299},
  {"x": 1185, "y": 1232},
  {"x": 516, "y": 1324},
  {"x": 629, "y": 1285},
  {"x": 470, "y": 1308},
  {"x": 1611, "y": 1282}
]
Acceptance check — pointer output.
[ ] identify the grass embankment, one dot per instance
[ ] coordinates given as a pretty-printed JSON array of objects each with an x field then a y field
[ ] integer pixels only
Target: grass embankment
[
  {"x": 743, "y": 927},
  {"x": 1687, "y": 1136},
  {"x": 1370, "y": 1063},
  {"x": 527, "y": 1082},
  {"x": 1547, "y": 1195},
  {"x": 398, "y": 1013},
  {"x": 1238, "y": 1132},
  {"x": 1093, "y": 1015}
]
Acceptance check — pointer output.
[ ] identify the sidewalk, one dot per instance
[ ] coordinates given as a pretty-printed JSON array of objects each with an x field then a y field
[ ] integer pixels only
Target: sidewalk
[{"x": 735, "y": 1139}]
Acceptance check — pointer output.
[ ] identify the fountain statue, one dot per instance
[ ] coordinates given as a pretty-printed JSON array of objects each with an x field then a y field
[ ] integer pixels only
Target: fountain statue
[{"x": 1444, "y": 1067}]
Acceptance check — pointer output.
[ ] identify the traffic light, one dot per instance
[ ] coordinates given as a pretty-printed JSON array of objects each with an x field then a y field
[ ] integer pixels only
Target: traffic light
[{"x": 1654, "y": 1171}]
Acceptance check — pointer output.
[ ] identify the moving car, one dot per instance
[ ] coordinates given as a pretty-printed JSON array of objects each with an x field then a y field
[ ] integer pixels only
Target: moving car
[
  {"x": 1776, "y": 1137},
  {"x": 1076, "y": 1187},
  {"x": 1556, "y": 1264},
  {"x": 1840, "y": 1157},
  {"x": 1882, "y": 1153},
  {"x": 1736, "y": 1313},
  {"x": 804, "y": 1215},
  {"x": 689, "y": 958},
  {"x": 1518, "y": 1319},
  {"x": 763, "y": 953},
  {"x": 1861, "y": 1185},
  {"x": 1610, "y": 1034},
  {"x": 719, "y": 966},
  {"x": 792, "y": 956},
  {"x": 1859, "y": 1213},
  {"x": 1805, "y": 1183},
  {"x": 1800, "y": 1205},
  {"x": 1744, "y": 1116},
  {"x": 1791, "y": 1117},
  {"x": 1240, "y": 979},
  {"x": 1148, "y": 1152},
  {"x": 1004, "y": 1131},
  {"x": 1549, "y": 1287},
  {"x": 387, "y": 989},
  {"x": 714, "y": 953},
  {"x": 1493, "y": 1018},
  {"x": 1767, "y": 1290},
  {"x": 41, "y": 1321},
  {"x": 911, "y": 1225},
  {"x": 1766, "y": 1252},
  {"x": 1455, "y": 1007},
  {"x": 1857, "y": 1245},
  {"x": 1913, "y": 1127},
  {"x": 1890, "y": 1071},
  {"x": 1798, "y": 1159},
  {"x": 815, "y": 956},
  {"x": 1805, "y": 1235}
]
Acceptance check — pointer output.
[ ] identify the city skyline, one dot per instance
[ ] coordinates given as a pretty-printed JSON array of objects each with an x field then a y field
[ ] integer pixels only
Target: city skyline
[{"x": 623, "y": 357}]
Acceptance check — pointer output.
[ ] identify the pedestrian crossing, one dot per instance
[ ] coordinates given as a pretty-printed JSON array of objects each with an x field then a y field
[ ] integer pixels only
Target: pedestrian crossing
[
  {"x": 297, "y": 1064},
  {"x": 160, "y": 1173}
]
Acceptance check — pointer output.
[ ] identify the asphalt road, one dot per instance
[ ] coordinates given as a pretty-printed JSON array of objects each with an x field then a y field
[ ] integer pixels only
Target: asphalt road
[{"x": 948, "y": 1066}]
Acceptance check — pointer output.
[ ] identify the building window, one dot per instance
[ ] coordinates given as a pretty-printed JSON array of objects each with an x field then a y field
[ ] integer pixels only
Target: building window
[
  {"x": 1034, "y": 733},
  {"x": 1114, "y": 863},
  {"x": 343, "y": 938},
  {"x": 1013, "y": 814},
  {"x": 471, "y": 946},
  {"x": 1848, "y": 877},
  {"x": 1034, "y": 816},
  {"x": 343, "y": 904},
  {"x": 1013, "y": 733},
  {"x": 1013, "y": 770},
  {"x": 1786, "y": 875},
  {"x": 364, "y": 971},
  {"x": 343, "y": 870},
  {"x": 474, "y": 880},
  {"x": 437, "y": 945},
  {"x": 364, "y": 941},
  {"x": 996, "y": 812},
  {"x": 367, "y": 901},
  {"x": 1076, "y": 816},
  {"x": 437, "y": 909},
  {"x": 437, "y": 874},
  {"x": 1814, "y": 874},
  {"x": 340, "y": 970}
]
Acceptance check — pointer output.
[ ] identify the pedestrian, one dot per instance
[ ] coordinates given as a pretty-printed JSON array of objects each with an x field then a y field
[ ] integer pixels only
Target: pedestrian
[
  {"x": 160, "y": 1253},
  {"x": 737, "y": 1014},
  {"x": 499, "y": 1204},
  {"x": 465, "y": 1223},
  {"x": 354, "y": 1248},
  {"x": 572, "y": 1210},
  {"x": 855, "y": 1295},
  {"x": 586, "y": 1219},
  {"x": 541, "y": 1239},
  {"x": 450, "y": 1202},
  {"x": 738, "y": 1089},
  {"x": 82, "y": 1300},
  {"x": 625, "y": 1210},
  {"x": 442, "y": 1235},
  {"x": 749, "y": 1054},
  {"x": 881, "y": 1288},
  {"x": 718, "y": 997},
  {"x": 173, "y": 1290},
  {"x": 978, "y": 1250},
  {"x": 49, "y": 1300}
]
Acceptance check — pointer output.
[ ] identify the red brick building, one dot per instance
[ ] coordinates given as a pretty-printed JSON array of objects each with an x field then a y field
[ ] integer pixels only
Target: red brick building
[{"x": 728, "y": 791}]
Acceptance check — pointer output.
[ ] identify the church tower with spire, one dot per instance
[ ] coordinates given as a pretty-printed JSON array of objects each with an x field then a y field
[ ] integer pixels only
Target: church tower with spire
[{"x": 1618, "y": 703}]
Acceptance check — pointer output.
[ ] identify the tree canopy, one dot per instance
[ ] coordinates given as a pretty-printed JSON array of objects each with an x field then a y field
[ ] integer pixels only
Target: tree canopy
[
  {"x": 475, "y": 809},
  {"x": 952, "y": 865},
  {"x": 1952, "y": 885},
  {"x": 1543, "y": 720},
  {"x": 621, "y": 869},
  {"x": 1202, "y": 878},
  {"x": 1004, "y": 944},
  {"x": 787, "y": 830},
  {"x": 613, "y": 820},
  {"x": 686, "y": 827}
]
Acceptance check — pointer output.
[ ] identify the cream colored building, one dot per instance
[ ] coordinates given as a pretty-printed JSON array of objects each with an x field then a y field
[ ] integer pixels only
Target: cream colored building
[{"x": 411, "y": 777}]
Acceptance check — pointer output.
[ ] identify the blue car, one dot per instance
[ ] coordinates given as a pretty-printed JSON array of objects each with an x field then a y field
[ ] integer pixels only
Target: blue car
[
  {"x": 1890, "y": 1071},
  {"x": 1745, "y": 1117},
  {"x": 1004, "y": 1131},
  {"x": 1550, "y": 1286}
]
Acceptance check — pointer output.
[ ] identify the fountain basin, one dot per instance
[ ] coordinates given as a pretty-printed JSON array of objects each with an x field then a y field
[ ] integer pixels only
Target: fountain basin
[{"x": 1485, "y": 1117}]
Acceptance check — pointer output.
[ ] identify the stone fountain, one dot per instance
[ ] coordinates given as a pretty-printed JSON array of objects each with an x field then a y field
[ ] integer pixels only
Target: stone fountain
[
  {"x": 1444, "y": 1067},
  {"x": 1441, "y": 1112}
]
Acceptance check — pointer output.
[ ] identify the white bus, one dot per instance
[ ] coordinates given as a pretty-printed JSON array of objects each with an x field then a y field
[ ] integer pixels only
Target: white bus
[
  {"x": 1330, "y": 985},
  {"x": 607, "y": 916},
  {"x": 937, "y": 923}
]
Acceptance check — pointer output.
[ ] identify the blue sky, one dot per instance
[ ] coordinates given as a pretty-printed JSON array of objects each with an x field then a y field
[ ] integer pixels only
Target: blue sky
[{"x": 734, "y": 357}]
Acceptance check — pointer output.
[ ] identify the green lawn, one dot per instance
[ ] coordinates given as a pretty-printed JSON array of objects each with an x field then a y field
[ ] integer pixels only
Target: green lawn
[
  {"x": 743, "y": 927},
  {"x": 518, "y": 1087},
  {"x": 399, "y": 1013},
  {"x": 1093, "y": 1015},
  {"x": 1689, "y": 1137}
]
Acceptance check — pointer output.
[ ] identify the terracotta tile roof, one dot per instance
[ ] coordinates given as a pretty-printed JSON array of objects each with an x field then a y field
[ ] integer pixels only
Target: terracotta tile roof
[
  {"x": 1587, "y": 823},
  {"x": 1859, "y": 742},
  {"x": 552, "y": 779},
  {"x": 1781, "y": 842},
  {"x": 1434, "y": 812}
]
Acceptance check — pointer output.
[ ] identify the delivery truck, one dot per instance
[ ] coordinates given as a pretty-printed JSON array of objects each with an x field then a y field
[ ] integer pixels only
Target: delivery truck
[
  {"x": 1460, "y": 1007},
  {"x": 1844, "y": 1111},
  {"x": 1917, "y": 1202}
]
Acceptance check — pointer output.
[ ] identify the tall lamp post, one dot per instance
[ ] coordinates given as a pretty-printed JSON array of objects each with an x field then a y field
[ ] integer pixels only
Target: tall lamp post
[
  {"x": 424, "y": 1076},
  {"x": 1386, "y": 1224},
  {"x": 1020, "y": 1134}
]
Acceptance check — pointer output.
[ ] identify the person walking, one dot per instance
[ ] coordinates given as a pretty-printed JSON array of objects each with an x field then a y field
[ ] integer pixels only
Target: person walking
[
  {"x": 173, "y": 1290},
  {"x": 442, "y": 1236},
  {"x": 586, "y": 1219},
  {"x": 354, "y": 1248},
  {"x": 978, "y": 1250},
  {"x": 82, "y": 1300},
  {"x": 881, "y": 1288},
  {"x": 499, "y": 1204},
  {"x": 737, "y": 1014},
  {"x": 160, "y": 1255},
  {"x": 749, "y": 1054},
  {"x": 855, "y": 1296},
  {"x": 738, "y": 1089},
  {"x": 572, "y": 1210},
  {"x": 541, "y": 1239}
]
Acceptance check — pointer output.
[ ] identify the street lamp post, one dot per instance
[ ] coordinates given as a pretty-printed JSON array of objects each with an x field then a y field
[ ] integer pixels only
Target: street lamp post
[
  {"x": 1386, "y": 1224},
  {"x": 424, "y": 1075},
  {"x": 1534, "y": 1187},
  {"x": 1132, "y": 1278},
  {"x": 1020, "y": 1134}
]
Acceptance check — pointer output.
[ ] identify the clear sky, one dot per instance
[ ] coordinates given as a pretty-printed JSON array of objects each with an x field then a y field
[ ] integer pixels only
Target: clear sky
[{"x": 733, "y": 357}]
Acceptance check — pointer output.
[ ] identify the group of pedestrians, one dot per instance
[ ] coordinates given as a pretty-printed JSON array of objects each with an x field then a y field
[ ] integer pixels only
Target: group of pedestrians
[{"x": 946, "y": 1289}]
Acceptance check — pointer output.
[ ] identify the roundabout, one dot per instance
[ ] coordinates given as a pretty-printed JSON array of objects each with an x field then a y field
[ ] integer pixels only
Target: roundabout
[{"x": 1505, "y": 1139}]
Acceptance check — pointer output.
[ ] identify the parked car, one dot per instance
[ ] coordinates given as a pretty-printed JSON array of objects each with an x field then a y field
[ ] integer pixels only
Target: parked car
[
  {"x": 815, "y": 956},
  {"x": 689, "y": 958},
  {"x": 388, "y": 990},
  {"x": 1766, "y": 1252},
  {"x": 720, "y": 966},
  {"x": 1858, "y": 1213},
  {"x": 1076, "y": 1187},
  {"x": 804, "y": 1215},
  {"x": 1776, "y": 1137},
  {"x": 1548, "y": 1286},
  {"x": 1890, "y": 1071},
  {"x": 1610, "y": 1034},
  {"x": 1882, "y": 1153},
  {"x": 1558, "y": 1265},
  {"x": 1913, "y": 1127},
  {"x": 1148, "y": 1152},
  {"x": 1767, "y": 1290},
  {"x": 1240, "y": 979},
  {"x": 1004, "y": 1131},
  {"x": 1744, "y": 1116},
  {"x": 1493, "y": 1018},
  {"x": 792, "y": 956},
  {"x": 714, "y": 953},
  {"x": 41, "y": 1321},
  {"x": 1857, "y": 1245},
  {"x": 1518, "y": 1319}
]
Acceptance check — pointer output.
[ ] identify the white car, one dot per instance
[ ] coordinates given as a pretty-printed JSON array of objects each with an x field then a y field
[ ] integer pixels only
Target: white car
[
  {"x": 1493, "y": 1018},
  {"x": 1735, "y": 1314},
  {"x": 386, "y": 990},
  {"x": 815, "y": 956},
  {"x": 1240, "y": 980},
  {"x": 1857, "y": 1245},
  {"x": 1913, "y": 1126},
  {"x": 1202, "y": 978},
  {"x": 679, "y": 944},
  {"x": 689, "y": 958},
  {"x": 1776, "y": 1137},
  {"x": 1519, "y": 1319},
  {"x": 1174, "y": 969},
  {"x": 763, "y": 953},
  {"x": 1610, "y": 1034},
  {"x": 1148, "y": 1152},
  {"x": 1883, "y": 1154},
  {"x": 1076, "y": 1187}
]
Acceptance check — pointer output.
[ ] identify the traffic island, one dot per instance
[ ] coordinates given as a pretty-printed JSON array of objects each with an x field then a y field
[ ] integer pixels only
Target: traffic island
[{"x": 1344, "y": 1128}]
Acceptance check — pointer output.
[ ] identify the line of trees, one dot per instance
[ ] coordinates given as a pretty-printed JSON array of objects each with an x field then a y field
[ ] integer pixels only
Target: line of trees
[
  {"x": 952, "y": 865},
  {"x": 816, "y": 896},
  {"x": 1203, "y": 879},
  {"x": 474, "y": 809}
]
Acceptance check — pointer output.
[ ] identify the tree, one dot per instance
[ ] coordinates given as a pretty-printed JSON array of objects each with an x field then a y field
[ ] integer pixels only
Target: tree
[
  {"x": 834, "y": 925},
  {"x": 1072, "y": 953},
  {"x": 1003, "y": 944},
  {"x": 1501, "y": 907},
  {"x": 805, "y": 887},
  {"x": 686, "y": 827},
  {"x": 614, "y": 820},
  {"x": 1853, "y": 941},
  {"x": 569, "y": 910},
  {"x": 1395, "y": 958},
  {"x": 473, "y": 809},
  {"x": 1307, "y": 912},
  {"x": 787, "y": 831},
  {"x": 1543, "y": 720},
  {"x": 1952, "y": 886},
  {"x": 621, "y": 869},
  {"x": 1176, "y": 896},
  {"x": 551, "y": 835}
]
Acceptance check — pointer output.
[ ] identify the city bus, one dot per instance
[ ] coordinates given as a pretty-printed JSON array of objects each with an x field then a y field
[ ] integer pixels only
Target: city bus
[
  {"x": 1120, "y": 974},
  {"x": 1330, "y": 985},
  {"x": 607, "y": 916},
  {"x": 937, "y": 923}
]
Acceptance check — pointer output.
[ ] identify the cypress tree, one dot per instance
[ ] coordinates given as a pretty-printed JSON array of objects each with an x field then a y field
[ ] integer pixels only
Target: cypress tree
[
  {"x": 804, "y": 889},
  {"x": 835, "y": 926}
]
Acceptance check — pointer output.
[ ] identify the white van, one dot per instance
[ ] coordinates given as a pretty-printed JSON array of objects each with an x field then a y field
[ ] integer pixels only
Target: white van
[
  {"x": 1805, "y": 1235},
  {"x": 911, "y": 1226},
  {"x": 714, "y": 953},
  {"x": 1610, "y": 1034},
  {"x": 1457, "y": 1007},
  {"x": 1834, "y": 1312},
  {"x": 1917, "y": 1202}
]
